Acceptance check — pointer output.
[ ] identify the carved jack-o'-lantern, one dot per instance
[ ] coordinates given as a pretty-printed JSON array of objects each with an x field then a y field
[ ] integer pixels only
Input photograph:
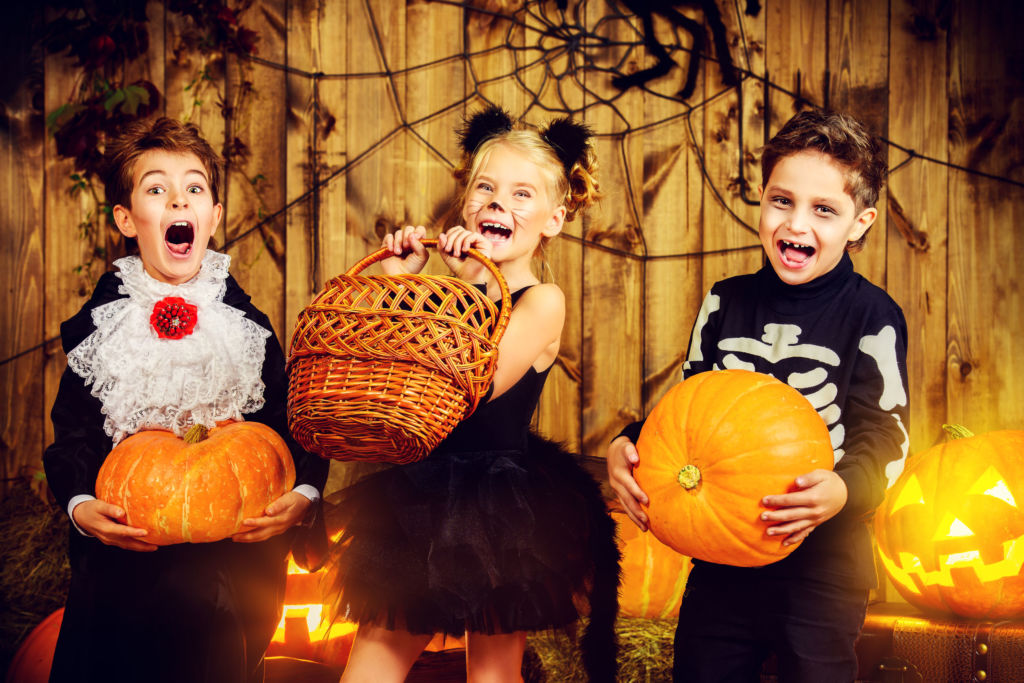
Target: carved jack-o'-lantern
[
  {"x": 951, "y": 530},
  {"x": 302, "y": 631},
  {"x": 305, "y": 633}
]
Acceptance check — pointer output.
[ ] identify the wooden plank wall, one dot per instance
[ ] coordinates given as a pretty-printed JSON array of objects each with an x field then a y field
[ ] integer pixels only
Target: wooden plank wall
[{"x": 357, "y": 100}]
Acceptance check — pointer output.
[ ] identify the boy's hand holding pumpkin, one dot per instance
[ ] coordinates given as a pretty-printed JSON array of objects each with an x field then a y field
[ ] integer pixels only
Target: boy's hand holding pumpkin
[
  {"x": 281, "y": 515},
  {"x": 620, "y": 459},
  {"x": 103, "y": 521},
  {"x": 822, "y": 494}
]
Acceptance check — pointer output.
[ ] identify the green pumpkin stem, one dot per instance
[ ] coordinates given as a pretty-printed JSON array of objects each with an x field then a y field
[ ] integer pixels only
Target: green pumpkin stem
[
  {"x": 958, "y": 431},
  {"x": 688, "y": 477},
  {"x": 195, "y": 433}
]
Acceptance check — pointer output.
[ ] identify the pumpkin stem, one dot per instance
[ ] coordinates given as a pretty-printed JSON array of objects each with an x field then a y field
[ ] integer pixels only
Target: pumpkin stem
[
  {"x": 688, "y": 477},
  {"x": 958, "y": 431},
  {"x": 195, "y": 433}
]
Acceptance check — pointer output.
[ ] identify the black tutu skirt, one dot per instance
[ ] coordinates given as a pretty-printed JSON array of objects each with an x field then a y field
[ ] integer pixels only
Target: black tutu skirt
[{"x": 489, "y": 541}]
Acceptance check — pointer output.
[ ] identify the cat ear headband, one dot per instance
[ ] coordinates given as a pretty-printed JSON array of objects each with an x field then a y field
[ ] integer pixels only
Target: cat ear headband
[{"x": 566, "y": 137}]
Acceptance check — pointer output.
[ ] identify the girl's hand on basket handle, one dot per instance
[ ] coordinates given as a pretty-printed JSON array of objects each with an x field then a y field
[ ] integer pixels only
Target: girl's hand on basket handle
[
  {"x": 409, "y": 253},
  {"x": 454, "y": 244}
]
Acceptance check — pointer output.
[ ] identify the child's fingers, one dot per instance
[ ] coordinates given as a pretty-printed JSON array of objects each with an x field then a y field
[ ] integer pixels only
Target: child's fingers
[
  {"x": 127, "y": 537},
  {"x": 137, "y": 546},
  {"x": 260, "y": 534},
  {"x": 786, "y": 514},
  {"x": 259, "y": 522},
  {"x": 793, "y": 531},
  {"x": 408, "y": 236},
  {"x": 633, "y": 511},
  {"x": 458, "y": 241}
]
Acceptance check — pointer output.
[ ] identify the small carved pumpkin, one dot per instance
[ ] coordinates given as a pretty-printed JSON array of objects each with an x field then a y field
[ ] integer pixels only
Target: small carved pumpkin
[
  {"x": 950, "y": 532},
  {"x": 304, "y": 633},
  {"x": 713, "y": 446},
  {"x": 196, "y": 489},
  {"x": 653, "y": 575}
]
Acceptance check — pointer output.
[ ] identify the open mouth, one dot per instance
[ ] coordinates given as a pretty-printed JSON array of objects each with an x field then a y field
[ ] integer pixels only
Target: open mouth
[
  {"x": 179, "y": 237},
  {"x": 496, "y": 232},
  {"x": 796, "y": 254}
]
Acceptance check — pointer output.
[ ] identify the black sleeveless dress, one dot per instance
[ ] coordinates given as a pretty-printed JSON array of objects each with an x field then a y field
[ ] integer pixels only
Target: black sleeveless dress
[{"x": 498, "y": 530}]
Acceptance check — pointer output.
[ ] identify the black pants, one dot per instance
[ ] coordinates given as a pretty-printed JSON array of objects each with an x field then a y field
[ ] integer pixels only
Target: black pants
[{"x": 730, "y": 622}]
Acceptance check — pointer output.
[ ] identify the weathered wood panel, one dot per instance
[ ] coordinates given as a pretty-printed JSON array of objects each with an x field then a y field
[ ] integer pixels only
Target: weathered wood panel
[
  {"x": 672, "y": 234},
  {"x": 253, "y": 228},
  {"x": 611, "y": 306},
  {"x": 917, "y": 212},
  {"x": 730, "y": 223},
  {"x": 332, "y": 152},
  {"x": 64, "y": 291},
  {"x": 859, "y": 67},
  {"x": 985, "y": 296},
  {"x": 301, "y": 280},
  {"x": 22, "y": 281},
  {"x": 376, "y": 143},
  {"x": 559, "y": 413}
]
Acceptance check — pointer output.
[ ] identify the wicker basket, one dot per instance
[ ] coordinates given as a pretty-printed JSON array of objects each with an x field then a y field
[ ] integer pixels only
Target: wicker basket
[{"x": 383, "y": 367}]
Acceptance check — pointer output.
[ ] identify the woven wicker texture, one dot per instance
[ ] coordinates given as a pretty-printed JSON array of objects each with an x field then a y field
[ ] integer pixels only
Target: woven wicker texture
[{"x": 383, "y": 367}]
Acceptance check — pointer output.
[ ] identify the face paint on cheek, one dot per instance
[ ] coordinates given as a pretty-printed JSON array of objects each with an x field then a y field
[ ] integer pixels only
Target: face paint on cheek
[{"x": 523, "y": 215}]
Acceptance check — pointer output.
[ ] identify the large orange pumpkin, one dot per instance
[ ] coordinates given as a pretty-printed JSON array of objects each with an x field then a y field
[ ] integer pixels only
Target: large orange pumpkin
[
  {"x": 950, "y": 532},
  {"x": 713, "y": 446},
  {"x": 653, "y": 575},
  {"x": 196, "y": 490}
]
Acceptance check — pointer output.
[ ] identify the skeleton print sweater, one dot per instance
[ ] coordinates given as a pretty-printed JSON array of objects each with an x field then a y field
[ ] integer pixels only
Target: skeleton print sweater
[{"x": 841, "y": 342}]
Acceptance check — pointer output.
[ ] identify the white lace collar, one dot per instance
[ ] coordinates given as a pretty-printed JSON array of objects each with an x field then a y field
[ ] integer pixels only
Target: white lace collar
[{"x": 144, "y": 381}]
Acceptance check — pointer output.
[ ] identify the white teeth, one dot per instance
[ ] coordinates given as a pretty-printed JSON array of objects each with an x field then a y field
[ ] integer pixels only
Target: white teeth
[
  {"x": 794, "y": 245},
  {"x": 495, "y": 231}
]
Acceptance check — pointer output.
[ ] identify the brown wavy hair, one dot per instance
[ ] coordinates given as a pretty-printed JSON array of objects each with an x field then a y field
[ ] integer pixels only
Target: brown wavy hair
[
  {"x": 163, "y": 133},
  {"x": 846, "y": 140}
]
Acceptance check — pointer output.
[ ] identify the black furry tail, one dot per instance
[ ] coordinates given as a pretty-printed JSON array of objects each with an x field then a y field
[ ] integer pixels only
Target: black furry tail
[{"x": 600, "y": 645}]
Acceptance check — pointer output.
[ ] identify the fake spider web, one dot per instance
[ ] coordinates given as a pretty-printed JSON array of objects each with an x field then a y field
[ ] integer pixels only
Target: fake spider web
[{"x": 563, "y": 62}]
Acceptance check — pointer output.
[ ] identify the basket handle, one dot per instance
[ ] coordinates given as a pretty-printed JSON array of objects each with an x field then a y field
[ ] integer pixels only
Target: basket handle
[{"x": 506, "y": 298}]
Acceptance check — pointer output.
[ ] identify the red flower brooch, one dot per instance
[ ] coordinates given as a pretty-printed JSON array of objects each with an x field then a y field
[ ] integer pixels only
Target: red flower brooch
[{"x": 173, "y": 317}]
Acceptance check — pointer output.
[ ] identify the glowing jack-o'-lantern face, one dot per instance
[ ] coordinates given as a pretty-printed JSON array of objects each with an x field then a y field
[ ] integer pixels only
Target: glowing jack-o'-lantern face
[
  {"x": 951, "y": 530},
  {"x": 304, "y": 632}
]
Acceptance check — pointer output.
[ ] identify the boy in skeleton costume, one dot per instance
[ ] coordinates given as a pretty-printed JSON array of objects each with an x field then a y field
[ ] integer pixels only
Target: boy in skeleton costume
[{"x": 809, "y": 320}]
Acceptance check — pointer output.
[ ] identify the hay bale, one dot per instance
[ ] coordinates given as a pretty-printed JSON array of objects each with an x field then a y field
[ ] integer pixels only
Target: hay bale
[
  {"x": 34, "y": 571},
  {"x": 645, "y": 654}
]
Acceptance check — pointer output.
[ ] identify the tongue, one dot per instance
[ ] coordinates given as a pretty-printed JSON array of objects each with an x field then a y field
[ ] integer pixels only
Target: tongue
[
  {"x": 795, "y": 255},
  {"x": 181, "y": 248}
]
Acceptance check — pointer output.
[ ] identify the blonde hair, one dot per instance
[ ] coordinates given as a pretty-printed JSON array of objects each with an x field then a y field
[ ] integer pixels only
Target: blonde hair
[{"x": 576, "y": 190}]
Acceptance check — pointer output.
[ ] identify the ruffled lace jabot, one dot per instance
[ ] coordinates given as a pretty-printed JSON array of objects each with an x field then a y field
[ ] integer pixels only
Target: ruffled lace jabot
[{"x": 144, "y": 381}]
